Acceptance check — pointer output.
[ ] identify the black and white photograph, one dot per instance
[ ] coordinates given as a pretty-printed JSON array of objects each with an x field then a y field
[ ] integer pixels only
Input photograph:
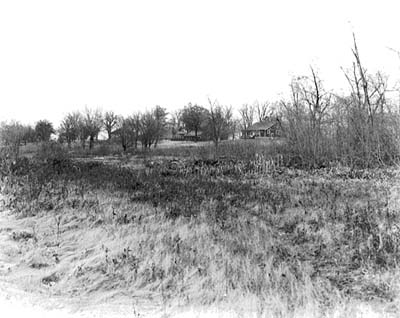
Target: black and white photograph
[{"x": 181, "y": 158}]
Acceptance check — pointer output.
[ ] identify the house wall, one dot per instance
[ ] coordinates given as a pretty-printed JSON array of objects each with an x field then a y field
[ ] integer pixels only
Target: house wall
[{"x": 274, "y": 131}]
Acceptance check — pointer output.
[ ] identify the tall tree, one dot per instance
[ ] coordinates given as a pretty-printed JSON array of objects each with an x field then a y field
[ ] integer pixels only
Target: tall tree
[
  {"x": 219, "y": 120},
  {"x": 160, "y": 117},
  {"x": 70, "y": 127},
  {"x": 93, "y": 122},
  {"x": 367, "y": 111},
  {"x": 247, "y": 115},
  {"x": 234, "y": 127},
  {"x": 29, "y": 134},
  {"x": 305, "y": 115},
  {"x": 128, "y": 130},
  {"x": 148, "y": 129},
  {"x": 176, "y": 121},
  {"x": 193, "y": 117},
  {"x": 44, "y": 129},
  {"x": 152, "y": 126}
]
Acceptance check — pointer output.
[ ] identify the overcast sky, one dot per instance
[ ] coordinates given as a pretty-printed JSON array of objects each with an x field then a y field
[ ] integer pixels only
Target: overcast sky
[{"x": 59, "y": 56}]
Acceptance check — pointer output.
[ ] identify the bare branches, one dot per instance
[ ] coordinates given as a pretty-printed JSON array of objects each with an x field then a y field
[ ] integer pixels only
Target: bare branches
[
  {"x": 247, "y": 115},
  {"x": 262, "y": 109},
  {"x": 110, "y": 122},
  {"x": 305, "y": 115},
  {"x": 93, "y": 122},
  {"x": 219, "y": 121}
]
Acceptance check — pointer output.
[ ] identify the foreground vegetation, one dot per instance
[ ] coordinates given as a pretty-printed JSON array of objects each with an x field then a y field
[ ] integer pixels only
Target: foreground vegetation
[{"x": 279, "y": 241}]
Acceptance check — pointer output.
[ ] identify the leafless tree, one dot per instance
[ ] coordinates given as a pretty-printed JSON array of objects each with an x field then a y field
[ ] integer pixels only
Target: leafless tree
[
  {"x": 234, "y": 127},
  {"x": 262, "y": 109},
  {"x": 305, "y": 114},
  {"x": 366, "y": 111},
  {"x": 29, "y": 134},
  {"x": 110, "y": 122},
  {"x": 160, "y": 116},
  {"x": 176, "y": 121},
  {"x": 219, "y": 119},
  {"x": 11, "y": 136},
  {"x": 93, "y": 122},
  {"x": 247, "y": 115},
  {"x": 152, "y": 126},
  {"x": 128, "y": 130},
  {"x": 70, "y": 127}
]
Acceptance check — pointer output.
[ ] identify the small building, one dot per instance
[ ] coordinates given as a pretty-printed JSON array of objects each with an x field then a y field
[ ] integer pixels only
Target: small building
[
  {"x": 184, "y": 135},
  {"x": 266, "y": 128},
  {"x": 191, "y": 136},
  {"x": 179, "y": 135}
]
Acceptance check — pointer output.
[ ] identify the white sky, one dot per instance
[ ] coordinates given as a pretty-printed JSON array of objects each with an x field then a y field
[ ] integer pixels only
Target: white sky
[{"x": 59, "y": 56}]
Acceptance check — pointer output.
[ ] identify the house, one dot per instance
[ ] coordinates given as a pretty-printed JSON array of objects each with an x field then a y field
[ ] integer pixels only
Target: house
[
  {"x": 184, "y": 135},
  {"x": 191, "y": 136},
  {"x": 266, "y": 128}
]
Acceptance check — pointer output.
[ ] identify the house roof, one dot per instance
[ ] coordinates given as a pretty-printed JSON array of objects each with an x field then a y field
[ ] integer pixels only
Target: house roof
[{"x": 263, "y": 125}]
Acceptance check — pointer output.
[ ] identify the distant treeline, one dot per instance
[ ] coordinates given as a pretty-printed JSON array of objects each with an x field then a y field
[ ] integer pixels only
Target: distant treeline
[{"x": 360, "y": 129}]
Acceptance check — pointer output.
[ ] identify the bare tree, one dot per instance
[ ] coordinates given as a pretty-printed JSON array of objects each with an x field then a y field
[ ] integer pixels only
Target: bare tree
[
  {"x": 11, "y": 136},
  {"x": 366, "y": 111},
  {"x": 128, "y": 131},
  {"x": 110, "y": 122},
  {"x": 148, "y": 129},
  {"x": 318, "y": 101},
  {"x": 305, "y": 114},
  {"x": 29, "y": 134},
  {"x": 69, "y": 127},
  {"x": 152, "y": 126},
  {"x": 219, "y": 119},
  {"x": 93, "y": 122},
  {"x": 83, "y": 132},
  {"x": 135, "y": 125},
  {"x": 247, "y": 115},
  {"x": 160, "y": 116},
  {"x": 176, "y": 121},
  {"x": 234, "y": 127},
  {"x": 262, "y": 110}
]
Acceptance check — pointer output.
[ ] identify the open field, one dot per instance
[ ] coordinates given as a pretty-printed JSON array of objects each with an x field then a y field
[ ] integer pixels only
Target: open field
[{"x": 264, "y": 240}]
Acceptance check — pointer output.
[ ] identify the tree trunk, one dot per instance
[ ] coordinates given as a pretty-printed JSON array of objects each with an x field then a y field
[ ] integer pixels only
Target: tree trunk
[{"x": 91, "y": 142}]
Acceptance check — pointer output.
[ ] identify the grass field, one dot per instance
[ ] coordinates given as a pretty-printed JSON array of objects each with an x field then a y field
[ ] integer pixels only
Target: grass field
[{"x": 279, "y": 242}]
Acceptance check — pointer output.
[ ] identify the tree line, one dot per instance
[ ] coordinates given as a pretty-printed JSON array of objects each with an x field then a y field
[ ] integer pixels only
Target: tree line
[
  {"x": 361, "y": 127},
  {"x": 140, "y": 128}
]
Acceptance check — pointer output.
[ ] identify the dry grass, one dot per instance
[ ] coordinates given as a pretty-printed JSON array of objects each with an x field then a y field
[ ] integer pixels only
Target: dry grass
[{"x": 292, "y": 244}]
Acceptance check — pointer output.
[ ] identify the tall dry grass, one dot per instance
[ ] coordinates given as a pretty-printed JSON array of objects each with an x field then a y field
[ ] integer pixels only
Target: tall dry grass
[{"x": 294, "y": 242}]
